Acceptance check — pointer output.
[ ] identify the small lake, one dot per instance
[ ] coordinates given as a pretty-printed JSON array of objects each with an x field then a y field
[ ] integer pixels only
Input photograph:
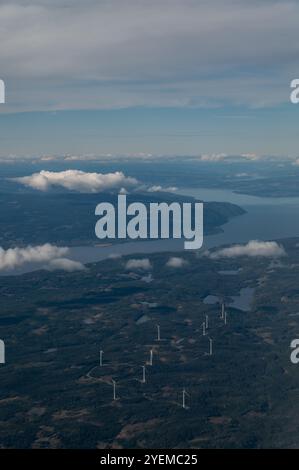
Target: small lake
[
  {"x": 211, "y": 300},
  {"x": 244, "y": 300},
  {"x": 229, "y": 272}
]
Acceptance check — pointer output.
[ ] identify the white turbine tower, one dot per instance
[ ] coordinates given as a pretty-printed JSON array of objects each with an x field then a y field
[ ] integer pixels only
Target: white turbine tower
[
  {"x": 184, "y": 398},
  {"x": 101, "y": 358},
  {"x": 158, "y": 333},
  {"x": 114, "y": 389},
  {"x": 225, "y": 318},
  {"x": 143, "y": 375},
  {"x": 211, "y": 347},
  {"x": 151, "y": 357},
  {"x": 204, "y": 329},
  {"x": 207, "y": 322},
  {"x": 222, "y": 311}
]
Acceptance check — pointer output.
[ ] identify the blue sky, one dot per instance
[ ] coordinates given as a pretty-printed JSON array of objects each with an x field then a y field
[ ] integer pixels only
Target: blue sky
[
  {"x": 148, "y": 76},
  {"x": 183, "y": 131}
]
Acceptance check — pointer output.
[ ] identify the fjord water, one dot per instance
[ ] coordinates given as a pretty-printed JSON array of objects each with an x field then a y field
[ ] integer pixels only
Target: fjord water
[{"x": 265, "y": 219}]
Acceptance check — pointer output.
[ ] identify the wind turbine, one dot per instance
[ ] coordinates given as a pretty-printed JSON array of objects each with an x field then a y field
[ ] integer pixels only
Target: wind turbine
[
  {"x": 222, "y": 311},
  {"x": 151, "y": 357},
  {"x": 114, "y": 389},
  {"x": 211, "y": 347},
  {"x": 158, "y": 333},
  {"x": 207, "y": 322},
  {"x": 184, "y": 398},
  {"x": 143, "y": 375},
  {"x": 101, "y": 358},
  {"x": 203, "y": 329},
  {"x": 225, "y": 318}
]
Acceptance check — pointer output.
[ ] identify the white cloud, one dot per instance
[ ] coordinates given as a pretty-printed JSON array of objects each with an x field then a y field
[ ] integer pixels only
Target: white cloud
[
  {"x": 214, "y": 157},
  {"x": 42, "y": 255},
  {"x": 76, "y": 180},
  {"x": 220, "y": 157},
  {"x": 242, "y": 175},
  {"x": 147, "y": 279},
  {"x": 49, "y": 158},
  {"x": 158, "y": 189},
  {"x": 143, "y": 264},
  {"x": 64, "y": 264},
  {"x": 114, "y": 256},
  {"x": 253, "y": 156},
  {"x": 251, "y": 249},
  {"x": 175, "y": 262}
]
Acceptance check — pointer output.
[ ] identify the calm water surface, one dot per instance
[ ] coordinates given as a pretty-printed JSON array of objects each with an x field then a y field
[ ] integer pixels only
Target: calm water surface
[{"x": 265, "y": 219}]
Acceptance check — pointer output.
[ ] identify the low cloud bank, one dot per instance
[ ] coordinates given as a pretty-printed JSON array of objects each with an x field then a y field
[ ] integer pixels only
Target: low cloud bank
[
  {"x": 220, "y": 157},
  {"x": 251, "y": 249},
  {"x": 65, "y": 264},
  {"x": 77, "y": 180},
  {"x": 143, "y": 264},
  {"x": 176, "y": 262},
  {"x": 47, "y": 256},
  {"x": 158, "y": 189}
]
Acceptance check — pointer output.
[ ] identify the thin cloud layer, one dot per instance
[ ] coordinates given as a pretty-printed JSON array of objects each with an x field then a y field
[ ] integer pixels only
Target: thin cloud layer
[
  {"x": 251, "y": 249},
  {"x": 147, "y": 52},
  {"x": 221, "y": 157},
  {"x": 76, "y": 180},
  {"x": 46, "y": 256}
]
